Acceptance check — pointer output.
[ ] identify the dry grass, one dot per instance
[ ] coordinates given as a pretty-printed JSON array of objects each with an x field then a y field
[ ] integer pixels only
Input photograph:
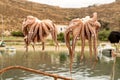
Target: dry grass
[{"x": 14, "y": 11}]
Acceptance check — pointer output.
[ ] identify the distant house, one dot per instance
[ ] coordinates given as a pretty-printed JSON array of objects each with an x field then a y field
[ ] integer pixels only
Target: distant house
[{"x": 61, "y": 28}]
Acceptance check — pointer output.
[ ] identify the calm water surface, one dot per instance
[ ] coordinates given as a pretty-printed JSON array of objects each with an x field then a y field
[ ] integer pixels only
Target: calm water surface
[{"x": 56, "y": 63}]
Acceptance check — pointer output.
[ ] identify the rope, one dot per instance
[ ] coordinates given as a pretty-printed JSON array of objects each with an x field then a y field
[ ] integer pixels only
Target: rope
[{"x": 34, "y": 71}]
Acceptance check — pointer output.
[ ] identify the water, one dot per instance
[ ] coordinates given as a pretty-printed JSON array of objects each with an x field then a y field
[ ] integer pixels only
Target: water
[{"x": 56, "y": 63}]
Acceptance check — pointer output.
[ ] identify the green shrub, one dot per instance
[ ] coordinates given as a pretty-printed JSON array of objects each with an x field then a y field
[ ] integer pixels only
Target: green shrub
[
  {"x": 60, "y": 37},
  {"x": 103, "y": 35},
  {"x": 63, "y": 57},
  {"x": 17, "y": 33}
]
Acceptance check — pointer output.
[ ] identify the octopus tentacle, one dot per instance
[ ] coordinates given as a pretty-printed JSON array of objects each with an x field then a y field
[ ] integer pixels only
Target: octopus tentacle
[
  {"x": 82, "y": 43},
  {"x": 88, "y": 34},
  {"x": 35, "y": 30},
  {"x": 45, "y": 30},
  {"x": 40, "y": 33},
  {"x": 88, "y": 31},
  {"x": 95, "y": 47},
  {"x": 31, "y": 31},
  {"x": 67, "y": 40},
  {"x": 55, "y": 36}
]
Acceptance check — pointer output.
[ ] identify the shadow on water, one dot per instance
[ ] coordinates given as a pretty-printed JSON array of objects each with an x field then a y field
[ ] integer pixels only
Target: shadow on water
[{"x": 57, "y": 63}]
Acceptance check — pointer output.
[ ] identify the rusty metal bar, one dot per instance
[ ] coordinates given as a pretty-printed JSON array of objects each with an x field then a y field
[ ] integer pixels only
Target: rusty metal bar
[{"x": 33, "y": 70}]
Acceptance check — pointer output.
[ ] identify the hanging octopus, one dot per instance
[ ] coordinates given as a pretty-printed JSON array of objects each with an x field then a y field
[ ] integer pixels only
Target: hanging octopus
[
  {"x": 36, "y": 30},
  {"x": 86, "y": 28}
]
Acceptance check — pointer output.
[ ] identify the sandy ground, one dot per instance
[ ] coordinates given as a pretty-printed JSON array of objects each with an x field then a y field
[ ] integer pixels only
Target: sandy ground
[{"x": 39, "y": 48}]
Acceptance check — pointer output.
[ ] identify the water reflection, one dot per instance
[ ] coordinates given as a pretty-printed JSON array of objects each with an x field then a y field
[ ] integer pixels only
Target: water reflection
[
  {"x": 63, "y": 57},
  {"x": 57, "y": 63}
]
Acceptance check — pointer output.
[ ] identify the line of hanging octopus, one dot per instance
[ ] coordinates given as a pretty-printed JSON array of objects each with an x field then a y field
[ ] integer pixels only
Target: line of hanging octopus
[
  {"x": 36, "y": 30},
  {"x": 85, "y": 29}
]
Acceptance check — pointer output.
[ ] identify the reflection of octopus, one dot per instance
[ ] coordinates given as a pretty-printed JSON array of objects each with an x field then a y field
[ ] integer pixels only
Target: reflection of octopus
[
  {"x": 36, "y": 30},
  {"x": 85, "y": 28}
]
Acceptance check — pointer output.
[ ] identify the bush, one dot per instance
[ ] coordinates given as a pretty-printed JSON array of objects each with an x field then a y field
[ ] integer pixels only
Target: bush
[
  {"x": 103, "y": 35},
  {"x": 17, "y": 33},
  {"x": 60, "y": 37}
]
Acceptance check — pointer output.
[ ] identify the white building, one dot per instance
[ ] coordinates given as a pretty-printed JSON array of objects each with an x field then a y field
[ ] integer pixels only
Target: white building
[{"x": 61, "y": 28}]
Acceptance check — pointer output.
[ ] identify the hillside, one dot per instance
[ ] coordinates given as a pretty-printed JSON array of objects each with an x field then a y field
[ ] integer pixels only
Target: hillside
[{"x": 14, "y": 11}]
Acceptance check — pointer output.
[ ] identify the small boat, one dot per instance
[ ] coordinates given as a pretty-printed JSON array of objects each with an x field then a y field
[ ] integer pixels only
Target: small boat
[
  {"x": 105, "y": 51},
  {"x": 2, "y": 43}
]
